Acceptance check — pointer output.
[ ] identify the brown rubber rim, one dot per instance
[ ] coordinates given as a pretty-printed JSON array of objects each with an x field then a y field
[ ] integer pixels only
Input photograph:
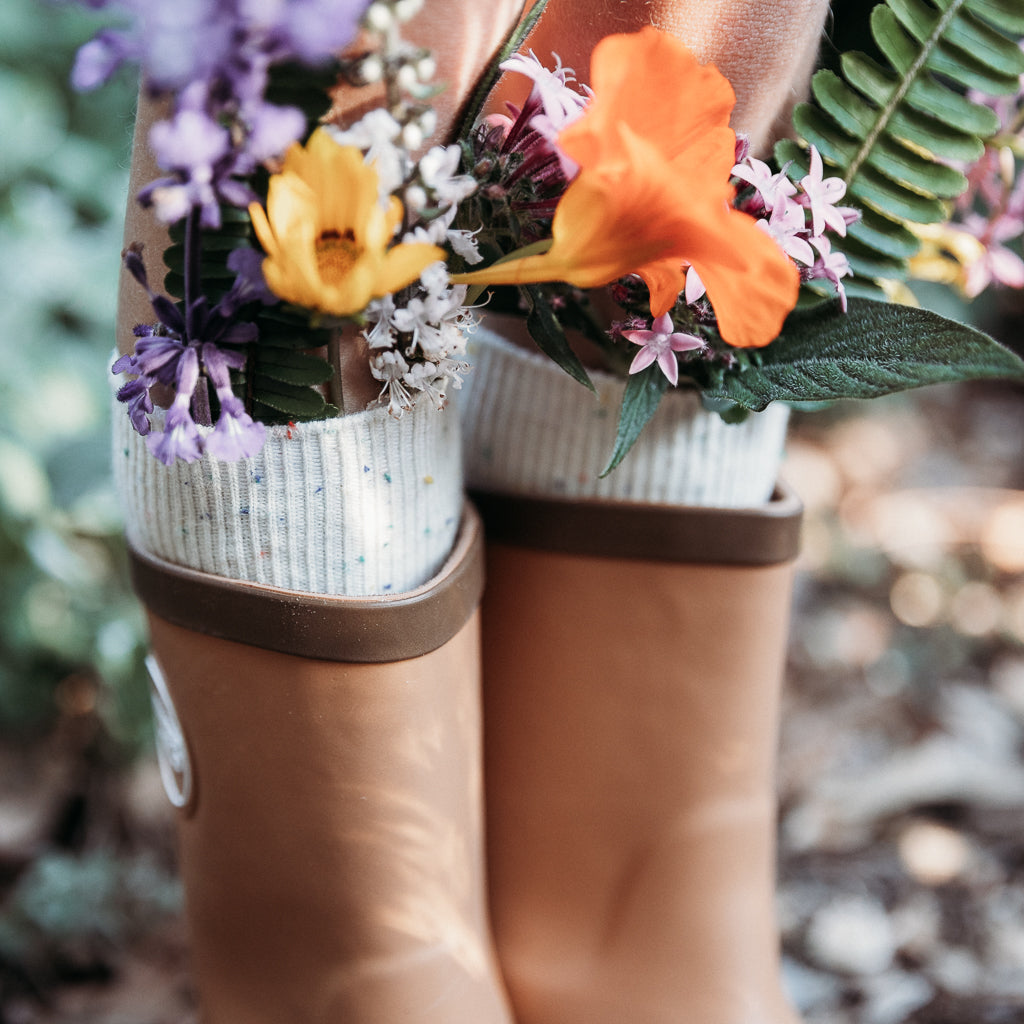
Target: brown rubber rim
[
  {"x": 767, "y": 535},
  {"x": 348, "y": 629}
]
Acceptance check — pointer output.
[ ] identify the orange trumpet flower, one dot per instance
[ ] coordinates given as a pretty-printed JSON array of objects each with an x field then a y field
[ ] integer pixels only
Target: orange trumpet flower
[{"x": 653, "y": 195}]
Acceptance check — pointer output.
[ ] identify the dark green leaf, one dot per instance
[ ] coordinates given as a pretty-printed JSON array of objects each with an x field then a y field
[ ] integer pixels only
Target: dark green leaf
[
  {"x": 966, "y": 69},
  {"x": 280, "y": 328},
  {"x": 891, "y": 130},
  {"x": 867, "y": 261},
  {"x": 899, "y": 49},
  {"x": 925, "y": 94},
  {"x": 890, "y": 157},
  {"x": 875, "y": 349},
  {"x": 291, "y": 367},
  {"x": 862, "y": 288},
  {"x": 877, "y": 190},
  {"x": 789, "y": 152},
  {"x": 918, "y": 18},
  {"x": 547, "y": 332},
  {"x": 958, "y": 28},
  {"x": 970, "y": 35},
  {"x": 916, "y": 172},
  {"x": 833, "y": 143},
  {"x": 640, "y": 401},
  {"x": 295, "y": 402},
  {"x": 884, "y": 235},
  {"x": 1005, "y": 14},
  {"x": 929, "y": 133},
  {"x": 270, "y": 416},
  {"x": 854, "y": 114}
]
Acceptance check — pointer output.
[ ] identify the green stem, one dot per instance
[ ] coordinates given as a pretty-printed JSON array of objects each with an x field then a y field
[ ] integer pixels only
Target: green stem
[
  {"x": 467, "y": 117},
  {"x": 335, "y": 388},
  {"x": 533, "y": 249}
]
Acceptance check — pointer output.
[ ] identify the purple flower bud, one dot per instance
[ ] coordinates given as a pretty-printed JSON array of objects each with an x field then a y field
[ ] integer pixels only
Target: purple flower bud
[
  {"x": 236, "y": 435},
  {"x": 312, "y": 30},
  {"x": 98, "y": 59},
  {"x": 180, "y": 438},
  {"x": 272, "y": 130},
  {"x": 190, "y": 141},
  {"x": 140, "y": 405},
  {"x": 157, "y": 357},
  {"x": 250, "y": 284}
]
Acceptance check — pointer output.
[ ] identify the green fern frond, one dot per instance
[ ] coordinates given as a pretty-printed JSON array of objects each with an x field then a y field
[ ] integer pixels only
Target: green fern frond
[
  {"x": 891, "y": 132},
  {"x": 281, "y": 380},
  {"x": 233, "y": 233}
]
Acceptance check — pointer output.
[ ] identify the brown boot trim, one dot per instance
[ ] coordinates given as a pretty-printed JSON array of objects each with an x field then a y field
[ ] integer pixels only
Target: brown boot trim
[
  {"x": 349, "y": 629},
  {"x": 767, "y": 535}
]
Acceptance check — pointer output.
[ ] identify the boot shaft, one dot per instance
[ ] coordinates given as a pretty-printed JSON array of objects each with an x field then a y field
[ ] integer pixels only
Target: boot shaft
[
  {"x": 331, "y": 837},
  {"x": 631, "y": 720}
]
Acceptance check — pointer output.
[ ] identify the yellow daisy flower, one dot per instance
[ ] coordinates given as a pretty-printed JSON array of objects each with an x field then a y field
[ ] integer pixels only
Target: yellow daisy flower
[{"x": 326, "y": 233}]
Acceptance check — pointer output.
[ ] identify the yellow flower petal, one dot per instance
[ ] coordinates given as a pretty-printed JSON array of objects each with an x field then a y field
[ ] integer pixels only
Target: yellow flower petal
[{"x": 326, "y": 234}]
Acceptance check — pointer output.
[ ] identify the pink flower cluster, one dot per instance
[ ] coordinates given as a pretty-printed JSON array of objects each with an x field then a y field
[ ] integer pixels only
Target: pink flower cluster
[
  {"x": 992, "y": 208},
  {"x": 798, "y": 215}
]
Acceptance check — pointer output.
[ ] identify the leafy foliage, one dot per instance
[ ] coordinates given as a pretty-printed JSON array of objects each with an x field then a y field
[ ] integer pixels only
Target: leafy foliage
[
  {"x": 640, "y": 400},
  {"x": 892, "y": 129},
  {"x": 549, "y": 334},
  {"x": 874, "y": 349},
  {"x": 73, "y": 909},
  {"x": 282, "y": 377},
  {"x": 66, "y": 612}
]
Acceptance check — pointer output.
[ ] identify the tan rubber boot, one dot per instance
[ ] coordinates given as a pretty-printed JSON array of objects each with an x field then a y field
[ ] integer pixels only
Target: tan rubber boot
[
  {"x": 328, "y": 772},
  {"x": 632, "y": 663}
]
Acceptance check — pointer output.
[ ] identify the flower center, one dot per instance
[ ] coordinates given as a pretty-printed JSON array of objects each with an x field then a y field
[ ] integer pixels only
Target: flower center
[{"x": 336, "y": 254}]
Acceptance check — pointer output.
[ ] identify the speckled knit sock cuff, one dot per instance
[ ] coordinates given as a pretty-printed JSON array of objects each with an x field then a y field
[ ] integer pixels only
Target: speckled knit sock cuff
[
  {"x": 356, "y": 506},
  {"x": 528, "y": 428}
]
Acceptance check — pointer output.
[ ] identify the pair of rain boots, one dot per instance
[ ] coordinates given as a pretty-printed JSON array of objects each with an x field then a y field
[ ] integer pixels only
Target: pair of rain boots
[
  {"x": 327, "y": 755},
  {"x": 331, "y": 758}
]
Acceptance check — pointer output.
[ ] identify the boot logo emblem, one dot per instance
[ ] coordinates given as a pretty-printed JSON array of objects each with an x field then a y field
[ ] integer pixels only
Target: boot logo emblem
[{"x": 171, "y": 749}]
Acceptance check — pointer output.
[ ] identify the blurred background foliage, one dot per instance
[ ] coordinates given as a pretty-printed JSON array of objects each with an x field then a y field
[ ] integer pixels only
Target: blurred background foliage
[
  {"x": 79, "y": 878},
  {"x": 69, "y": 630}
]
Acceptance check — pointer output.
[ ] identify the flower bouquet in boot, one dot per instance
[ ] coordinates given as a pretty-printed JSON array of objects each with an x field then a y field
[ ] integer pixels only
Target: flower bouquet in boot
[
  {"x": 292, "y": 488},
  {"x": 683, "y": 289}
]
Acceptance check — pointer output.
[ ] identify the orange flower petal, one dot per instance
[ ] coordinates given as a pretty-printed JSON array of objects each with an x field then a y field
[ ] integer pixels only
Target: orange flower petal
[
  {"x": 652, "y": 82},
  {"x": 751, "y": 302},
  {"x": 653, "y": 193}
]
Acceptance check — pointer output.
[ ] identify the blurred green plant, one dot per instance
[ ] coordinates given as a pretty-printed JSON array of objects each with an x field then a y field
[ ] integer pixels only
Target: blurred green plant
[
  {"x": 65, "y": 608},
  {"x": 72, "y": 914}
]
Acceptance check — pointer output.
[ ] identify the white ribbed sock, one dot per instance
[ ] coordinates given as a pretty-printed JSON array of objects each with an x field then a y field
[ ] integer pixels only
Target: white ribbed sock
[
  {"x": 529, "y": 428},
  {"x": 359, "y": 505}
]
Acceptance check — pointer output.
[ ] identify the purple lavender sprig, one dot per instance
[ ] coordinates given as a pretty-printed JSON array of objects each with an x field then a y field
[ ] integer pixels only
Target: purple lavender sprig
[
  {"x": 214, "y": 58},
  {"x": 187, "y": 351}
]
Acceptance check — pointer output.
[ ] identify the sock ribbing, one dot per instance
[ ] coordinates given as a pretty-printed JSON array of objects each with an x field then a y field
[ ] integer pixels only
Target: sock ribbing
[
  {"x": 358, "y": 505},
  {"x": 529, "y": 428}
]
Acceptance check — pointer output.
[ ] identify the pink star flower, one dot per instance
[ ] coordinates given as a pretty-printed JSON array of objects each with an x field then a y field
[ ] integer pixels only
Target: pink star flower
[
  {"x": 1000, "y": 264},
  {"x": 830, "y": 266},
  {"x": 661, "y": 344},
  {"x": 694, "y": 288},
  {"x": 786, "y": 225},
  {"x": 559, "y": 104},
  {"x": 772, "y": 188},
  {"x": 821, "y": 194}
]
